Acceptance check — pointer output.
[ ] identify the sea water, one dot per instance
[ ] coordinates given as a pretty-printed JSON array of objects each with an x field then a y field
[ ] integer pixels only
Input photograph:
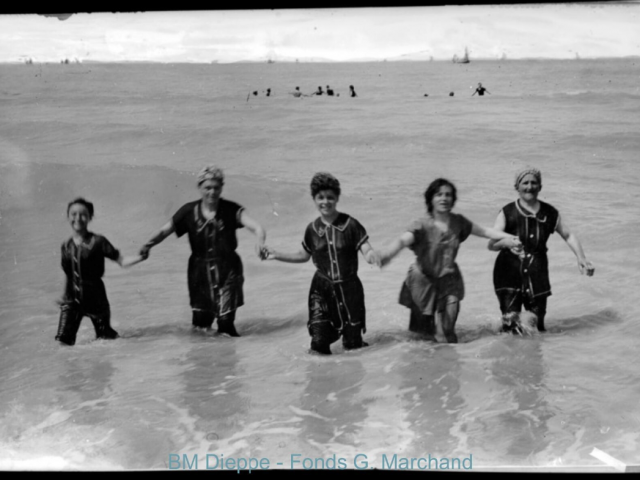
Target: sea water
[{"x": 131, "y": 137}]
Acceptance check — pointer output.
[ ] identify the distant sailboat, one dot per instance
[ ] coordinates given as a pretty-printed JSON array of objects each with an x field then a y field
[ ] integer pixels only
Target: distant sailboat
[{"x": 464, "y": 59}]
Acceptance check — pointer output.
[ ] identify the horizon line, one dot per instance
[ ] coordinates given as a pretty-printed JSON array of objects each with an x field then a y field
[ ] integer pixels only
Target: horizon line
[{"x": 75, "y": 61}]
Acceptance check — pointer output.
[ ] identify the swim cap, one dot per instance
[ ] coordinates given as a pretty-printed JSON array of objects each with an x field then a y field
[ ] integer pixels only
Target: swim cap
[
  {"x": 528, "y": 171},
  {"x": 210, "y": 172}
]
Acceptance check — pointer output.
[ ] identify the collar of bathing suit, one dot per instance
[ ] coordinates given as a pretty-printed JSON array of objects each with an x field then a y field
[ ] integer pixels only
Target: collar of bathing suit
[
  {"x": 529, "y": 214},
  {"x": 340, "y": 223}
]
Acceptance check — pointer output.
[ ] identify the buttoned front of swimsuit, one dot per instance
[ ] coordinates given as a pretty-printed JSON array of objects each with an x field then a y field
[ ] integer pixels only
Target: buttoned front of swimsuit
[
  {"x": 336, "y": 294},
  {"x": 528, "y": 275},
  {"x": 83, "y": 265},
  {"x": 215, "y": 273},
  {"x": 85, "y": 293}
]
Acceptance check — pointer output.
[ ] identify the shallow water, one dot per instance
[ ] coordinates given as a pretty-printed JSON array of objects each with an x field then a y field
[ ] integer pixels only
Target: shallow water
[{"x": 131, "y": 137}]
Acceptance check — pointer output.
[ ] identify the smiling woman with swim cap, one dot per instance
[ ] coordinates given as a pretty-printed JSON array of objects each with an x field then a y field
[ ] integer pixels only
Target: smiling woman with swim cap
[{"x": 521, "y": 276}]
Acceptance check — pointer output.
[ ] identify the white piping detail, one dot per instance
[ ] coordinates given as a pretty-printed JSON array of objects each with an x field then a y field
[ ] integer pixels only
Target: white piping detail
[
  {"x": 364, "y": 240},
  {"x": 531, "y": 215}
]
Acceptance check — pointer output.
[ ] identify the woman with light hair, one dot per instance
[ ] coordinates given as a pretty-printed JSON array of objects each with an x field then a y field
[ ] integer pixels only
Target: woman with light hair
[
  {"x": 521, "y": 275},
  {"x": 215, "y": 275}
]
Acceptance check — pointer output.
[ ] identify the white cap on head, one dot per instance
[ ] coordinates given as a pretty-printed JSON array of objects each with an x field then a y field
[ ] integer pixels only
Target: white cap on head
[
  {"x": 210, "y": 172},
  {"x": 527, "y": 171}
]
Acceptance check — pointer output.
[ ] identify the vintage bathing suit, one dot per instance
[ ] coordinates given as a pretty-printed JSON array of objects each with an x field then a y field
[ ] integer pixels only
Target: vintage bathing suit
[{"x": 85, "y": 293}]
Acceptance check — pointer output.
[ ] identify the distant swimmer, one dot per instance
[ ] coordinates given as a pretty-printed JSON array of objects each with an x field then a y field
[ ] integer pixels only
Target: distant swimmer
[
  {"x": 297, "y": 93},
  {"x": 268, "y": 92},
  {"x": 480, "y": 90},
  {"x": 329, "y": 91},
  {"x": 318, "y": 92},
  {"x": 352, "y": 91},
  {"x": 451, "y": 94},
  {"x": 426, "y": 94},
  {"x": 255, "y": 93}
]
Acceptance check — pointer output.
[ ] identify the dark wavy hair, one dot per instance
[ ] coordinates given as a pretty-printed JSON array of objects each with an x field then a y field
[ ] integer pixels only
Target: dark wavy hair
[
  {"x": 324, "y": 181},
  {"x": 88, "y": 205},
  {"x": 433, "y": 189}
]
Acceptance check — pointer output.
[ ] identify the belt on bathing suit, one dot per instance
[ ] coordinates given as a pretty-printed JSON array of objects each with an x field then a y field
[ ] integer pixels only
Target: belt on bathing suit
[
  {"x": 207, "y": 259},
  {"x": 336, "y": 282}
]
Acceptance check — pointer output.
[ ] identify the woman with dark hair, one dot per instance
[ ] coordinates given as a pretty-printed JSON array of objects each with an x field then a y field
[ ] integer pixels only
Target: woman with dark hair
[
  {"x": 434, "y": 283},
  {"x": 83, "y": 264},
  {"x": 336, "y": 296},
  {"x": 521, "y": 275}
]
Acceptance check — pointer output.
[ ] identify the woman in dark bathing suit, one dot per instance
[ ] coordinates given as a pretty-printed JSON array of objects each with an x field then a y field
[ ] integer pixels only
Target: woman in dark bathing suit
[
  {"x": 83, "y": 264},
  {"x": 336, "y": 296},
  {"x": 215, "y": 272},
  {"x": 521, "y": 275}
]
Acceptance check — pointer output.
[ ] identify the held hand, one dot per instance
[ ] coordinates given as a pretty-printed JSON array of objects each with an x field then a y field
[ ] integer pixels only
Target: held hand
[
  {"x": 516, "y": 242},
  {"x": 268, "y": 253},
  {"x": 516, "y": 246},
  {"x": 384, "y": 259},
  {"x": 260, "y": 251},
  {"x": 586, "y": 268},
  {"x": 373, "y": 257},
  {"x": 144, "y": 252}
]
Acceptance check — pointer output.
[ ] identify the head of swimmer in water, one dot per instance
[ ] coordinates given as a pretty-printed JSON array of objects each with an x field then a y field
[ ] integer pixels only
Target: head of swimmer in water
[
  {"x": 441, "y": 196},
  {"x": 325, "y": 191},
  {"x": 79, "y": 214},
  {"x": 210, "y": 183}
]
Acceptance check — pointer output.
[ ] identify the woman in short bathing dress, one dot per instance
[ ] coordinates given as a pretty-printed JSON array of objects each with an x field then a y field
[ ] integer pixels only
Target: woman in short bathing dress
[
  {"x": 521, "y": 275},
  {"x": 83, "y": 264},
  {"x": 434, "y": 283},
  {"x": 215, "y": 273},
  {"x": 336, "y": 296}
]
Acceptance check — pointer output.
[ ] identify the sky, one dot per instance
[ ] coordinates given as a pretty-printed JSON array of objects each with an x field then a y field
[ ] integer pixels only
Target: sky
[{"x": 555, "y": 31}]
